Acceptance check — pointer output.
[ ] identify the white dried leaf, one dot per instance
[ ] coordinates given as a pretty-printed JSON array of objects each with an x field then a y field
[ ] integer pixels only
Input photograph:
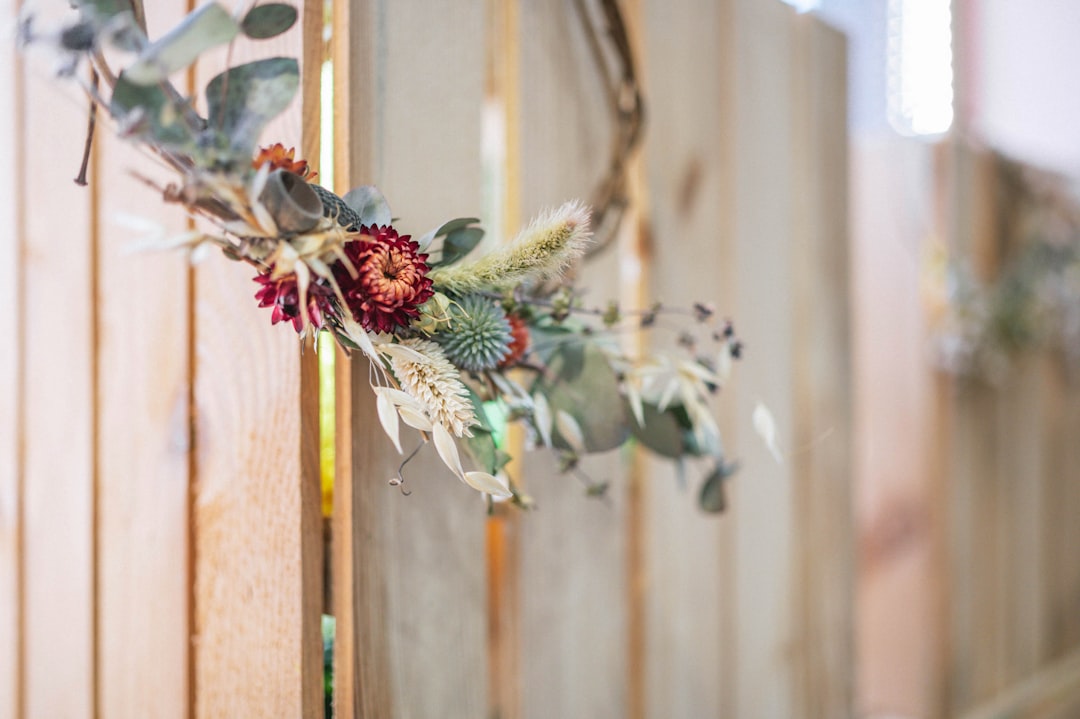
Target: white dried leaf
[
  {"x": 388, "y": 417},
  {"x": 360, "y": 336},
  {"x": 723, "y": 365},
  {"x": 489, "y": 484},
  {"x": 570, "y": 430},
  {"x": 415, "y": 419},
  {"x": 447, "y": 449},
  {"x": 542, "y": 418},
  {"x": 671, "y": 388},
  {"x": 765, "y": 426},
  {"x": 400, "y": 398}
]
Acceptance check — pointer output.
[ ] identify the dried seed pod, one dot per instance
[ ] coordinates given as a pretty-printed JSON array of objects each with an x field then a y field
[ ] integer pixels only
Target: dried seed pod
[{"x": 292, "y": 202}]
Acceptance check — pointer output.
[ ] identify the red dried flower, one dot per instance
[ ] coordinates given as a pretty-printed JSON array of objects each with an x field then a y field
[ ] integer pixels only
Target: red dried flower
[
  {"x": 282, "y": 159},
  {"x": 519, "y": 341},
  {"x": 391, "y": 279},
  {"x": 283, "y": 295}
]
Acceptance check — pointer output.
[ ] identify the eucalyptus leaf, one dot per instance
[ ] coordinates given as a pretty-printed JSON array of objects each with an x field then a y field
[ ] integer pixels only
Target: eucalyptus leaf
[
  {"x": 104, "y": 9},
  {"x": 482, "y": 419},
  {"x": 713, "y": 496},
  {"x": 269, "y": 20},
  {"x": 459, "y": 243},
  {"x": 254, "y": 94},
  {"x": 146, "y": 111},
  {"x": 456, "y": 224},
  {"x": 662, "y": 432},
  {"x": 206, "y": 28},
  {"x": 367, "y": 202},
  {"x": 581, "y": 383},
  {"x": 485, "y": 452}
]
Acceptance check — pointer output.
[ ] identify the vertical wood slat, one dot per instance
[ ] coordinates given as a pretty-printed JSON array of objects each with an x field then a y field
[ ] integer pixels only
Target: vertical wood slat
[
  {"x": 821, "y": 443},
  {"x": 257, "y": 536},
  {"x": 764, "y": 539},
  {"x": 573, "y": 616},
  {"x": 57, "y": 419},
  {"x": 1014, "y": 595},
  {"x": 10, "y": 376},
  {"x": 143, "y": 439},
  {"x": 409, "y": 571},
  {"x": 689, "y": 67}
]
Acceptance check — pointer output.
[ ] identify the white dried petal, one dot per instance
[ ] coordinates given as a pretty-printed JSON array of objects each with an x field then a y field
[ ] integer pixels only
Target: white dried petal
[
  {"x": 570, "y": 430},
  {"x": 765, "y": 426},
  {"x": 489, "y": 484},
  {"x": 388, "y": 417},
  {"x": 447, "y": 449}
]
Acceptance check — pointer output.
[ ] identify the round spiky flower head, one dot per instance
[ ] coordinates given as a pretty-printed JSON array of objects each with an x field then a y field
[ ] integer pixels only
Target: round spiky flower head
[
  {"x": 479, "y": 334},
  {"x": 391, "y": 279}
]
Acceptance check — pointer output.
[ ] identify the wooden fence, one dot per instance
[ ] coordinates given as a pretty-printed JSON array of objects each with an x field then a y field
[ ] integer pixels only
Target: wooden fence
[
  {"x": 161, "y": 546},
  {"x": 1011, "y": 482}
]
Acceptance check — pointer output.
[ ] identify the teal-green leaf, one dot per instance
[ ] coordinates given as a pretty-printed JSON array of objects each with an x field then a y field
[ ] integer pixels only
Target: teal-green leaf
[
  {"x": 367, "y": 202},
  {"x": 482, "y": 449},
  {"x": 255, "y": 94},
  {"x": 662, "y": 432},
  {"x": 581, "y": 382},
  {"x": 205, "y": 28},
  {"x": 104, "y": 9},
  {"x": 459, "y": 243},
  {"x": 148, "y": 112},
  {"x": 269, "y": 20},
  {"x": 456, "y": 224},
  {"x": 713, "y": 496}
]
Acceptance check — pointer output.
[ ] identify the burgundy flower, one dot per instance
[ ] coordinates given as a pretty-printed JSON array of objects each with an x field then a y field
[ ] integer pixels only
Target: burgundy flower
[
  {"x": 391, "y": 279},
  {"x": 283, "y": 295}
]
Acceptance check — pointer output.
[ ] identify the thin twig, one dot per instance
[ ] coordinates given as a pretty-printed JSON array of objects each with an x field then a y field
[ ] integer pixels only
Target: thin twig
[{"x": 91, "y": 122}]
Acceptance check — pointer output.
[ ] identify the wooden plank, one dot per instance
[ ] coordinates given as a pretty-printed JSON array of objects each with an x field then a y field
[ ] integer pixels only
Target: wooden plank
[
  {"x": 1021, "y": 428},
  {"x": 409, "y": 571},
  {"x": 574, "y": 620},
  {"x": 975, "y": 671},
  {"x": 689, "y": 71},
  {"x": 1053, "y": 692},
  {"x": 143, "y": 439},
  {"x": 765, "y": 522},
  {"x": 823, "y": 387},
  {"x": 257, "y": 532},
  {"x": 58, "y": 416},
  {"x": 11, "y": 291},
  {"x": 1058, "y": 400}
]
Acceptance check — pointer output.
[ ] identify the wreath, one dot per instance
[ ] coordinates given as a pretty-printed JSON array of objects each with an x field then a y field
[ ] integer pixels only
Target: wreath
[{"x": 460, "y": 342}]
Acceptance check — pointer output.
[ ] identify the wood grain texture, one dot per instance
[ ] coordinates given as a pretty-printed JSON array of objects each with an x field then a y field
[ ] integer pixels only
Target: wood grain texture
[
  {"x": 763, "y": 494},
  {"x": 143, "y": 440},
  {"x": 821, "y": 454},
  {"x": 689, "y": 71},
  {"x": 11, "y": 290},
  {"x": 256, "y": 532},
  {"x": 409, "y": 571},
  {"x": 58, "y": 402},
  {"x": 573, "y": 550},
  {"x": 1052, "y": 692}
]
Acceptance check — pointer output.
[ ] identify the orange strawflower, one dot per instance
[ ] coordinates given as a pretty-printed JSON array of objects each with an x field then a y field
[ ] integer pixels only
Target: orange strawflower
[{"x": 282, "y": 159}]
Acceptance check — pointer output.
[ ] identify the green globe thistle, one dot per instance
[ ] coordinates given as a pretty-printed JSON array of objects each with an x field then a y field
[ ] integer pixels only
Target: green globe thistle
[{"x": 479, "y": 334}]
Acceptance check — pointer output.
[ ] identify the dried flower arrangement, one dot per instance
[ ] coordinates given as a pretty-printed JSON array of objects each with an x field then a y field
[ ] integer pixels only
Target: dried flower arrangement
[
  {"x": 1033, "y": 299},
  {"x": 458, "y": 344}
]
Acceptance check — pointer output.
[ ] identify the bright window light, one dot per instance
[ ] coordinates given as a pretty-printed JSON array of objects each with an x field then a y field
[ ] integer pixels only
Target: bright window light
[
  {"x": 804, "y": 5},
  {"x": 920, "y": 66}
]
